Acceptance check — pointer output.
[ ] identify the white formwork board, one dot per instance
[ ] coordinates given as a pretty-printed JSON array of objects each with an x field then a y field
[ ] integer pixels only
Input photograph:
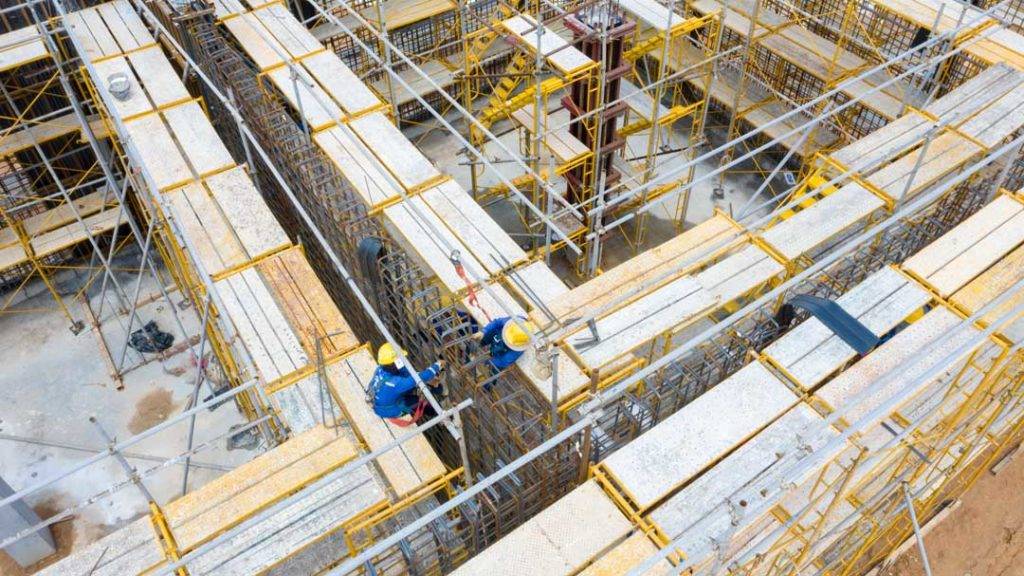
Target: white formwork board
[
  {"x": 225, "y": 8},
  {"x": 300, "y": 404},
  {"x": 125, "y": 25},
  {"x": 337, "y": 80},
  {"x": 312, "y": 102},
  {"x": 292, "y": 35},
  {"x": 137, "y": 102},
  {"x": 88, "y": 28},
  {"x": 991, "y": 284},
  {"x": 571, "y": 377},
  {"x": 652, "y": 14},
  {"x": 158, "y": 152},
  {"x": 538, "y": 286},
  {"x": 685, "y": 444},
  {"x": 295, "y": 533},
  {"x": 739, "y": 273},
  {"x": 425, "y": 236},
  {"x": 358, "y": 165},
  {"x": 655, "y": 265},
  {"x": 197, "y": 139},
  {"x": 207, "y": 228},
  {"x": 942, "y": 155},
  {"x": 713, "y": 498},
  {"x": 867, "y": 154},
  {"x": 20, "y": 47},
  {"x": 256, "y": 40},
  {"x": 900, "y": 361},
  {"x": 811, "y": 352},
  {"x": 560, "y": 540},
  {"x": 565, "y": 147},
  {"x": 259, "y": 322},
  {"x": 827, "y": 218},
  {"x": 403, "y": 160},
  {"x": 491, "y": 245},
  {"x": 1002, "y": 117},
  {"x": 953, "y": 260},
  {"x": 133, "y": 549},
  {"x": 629, "y": 327},
  {"x": 626, "y": 556},
  {"x": 407, "y": 466},
  {"x": 975, "y": 94},
  {"x": 250, "y": 218},
  {"x": 559, "y": 54}
]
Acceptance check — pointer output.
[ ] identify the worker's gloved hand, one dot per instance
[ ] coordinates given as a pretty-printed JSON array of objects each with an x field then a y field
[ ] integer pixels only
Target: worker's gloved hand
[
  {"x": 440, "y": 364},
  {"x": 478, "y": 335}
]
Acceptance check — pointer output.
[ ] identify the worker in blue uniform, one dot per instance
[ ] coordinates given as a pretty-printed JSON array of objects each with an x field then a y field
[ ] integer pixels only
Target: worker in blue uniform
[
  {"x": 506, "y": 340},
  {"x": 393, "y": 387}
]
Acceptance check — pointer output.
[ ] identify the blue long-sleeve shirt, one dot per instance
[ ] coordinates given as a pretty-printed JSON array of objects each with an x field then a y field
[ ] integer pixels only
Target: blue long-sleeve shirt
[
  {"x": 501, "y": 355},
  {"x": 393, "y": 390}
]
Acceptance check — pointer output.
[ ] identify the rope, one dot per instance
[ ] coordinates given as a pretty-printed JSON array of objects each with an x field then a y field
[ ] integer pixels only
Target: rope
[{"x": 471, "y": 297}]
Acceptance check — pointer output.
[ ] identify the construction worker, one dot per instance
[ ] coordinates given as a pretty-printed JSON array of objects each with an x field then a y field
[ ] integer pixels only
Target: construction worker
[
  {"x": 506, "y": 339},
  {"x": 394, "y": 389}
]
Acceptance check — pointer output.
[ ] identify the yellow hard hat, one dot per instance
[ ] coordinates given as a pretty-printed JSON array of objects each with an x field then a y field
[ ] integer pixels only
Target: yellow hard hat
[
  {"x": 387, "y": 354},
  {"x": 515, "y": 337}
]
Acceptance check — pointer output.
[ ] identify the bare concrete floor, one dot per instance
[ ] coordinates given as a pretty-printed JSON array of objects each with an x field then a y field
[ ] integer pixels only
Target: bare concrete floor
[{"x": 52, "y": 381}]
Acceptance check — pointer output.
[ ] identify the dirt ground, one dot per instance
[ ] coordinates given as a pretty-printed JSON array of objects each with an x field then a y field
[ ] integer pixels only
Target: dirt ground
[
  {"x": 984, "y": 536},
  {"x": 151, "y": 409}
]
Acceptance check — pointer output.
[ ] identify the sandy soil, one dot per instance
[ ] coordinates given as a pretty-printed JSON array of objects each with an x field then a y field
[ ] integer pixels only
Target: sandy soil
[
  {"x": 984, "y": 536},
  {"x": 151, "y": 409}
]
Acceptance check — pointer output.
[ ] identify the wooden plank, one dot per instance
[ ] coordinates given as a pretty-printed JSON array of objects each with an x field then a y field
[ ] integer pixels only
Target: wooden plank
[
  {"x": 491, "y": 245},
  {"x": 255, "y": 485},
  {"x": 653, "y": 14},
  {"x": 11, "y": 256},
  {"x": 133, "y": 24},
  {"x": 562, "y": 56},
  {"x": 294, "y": 37},
  {"x": 306, "y": 304},
  {"x": 437, "y": 73},
  {"x": 162, "y": 83},
  {"x": 248, "y": 215},
  {"x": 560, "y": 540},
  {"x": 67, "y": 236},
  {"x": 969, "y": 98},
  {"x": 197, "y": 139},
  {"x": 685, "y": 249},
  {"x": 201, "y": 220},
  {"x": 256, "y": 40},
  {"x": 945, "y": 154},
  {"x": 811, "y": 352},
  {"x": 698, "y": 435},
  {"x": 118, "y": 29},
  {"x": 425, "y": 236},
  {"x": 565, "y": 147},
  {"x": 627, "y": 328},
  {"x": 992, "y": 284},
  {"x": 537, "y": 285},
  {"x": 60, "y": 215},
  {"x": 20, "y": 47},
  {"x": 315, "y": 105},
  {"x": 912, "y": 353},
  {"x": 13, "y": 141},
  {"x": 1003, "y": 117},
  {"x": 157, "y": 151},
  {"x": 626, "y": 556},
  {"x": 132, "y": 549},
  {"x": 956, "y": 257},
  {"x": 706, "y": 499},
  {"x": 105, "y": 42},
  {"x": 867, "y": 154},
  {"x": 403, "y": 160},
  {"x": 262, "y": 327},
  {"x": 829, "y": 217},
  {"x": 406, "y": 467},
  {"x": 136, "y": 102},
  {"x": 738, "y": 274},
  {"x": 358, "y": 166},
  {"x": 340, "y": 83}
]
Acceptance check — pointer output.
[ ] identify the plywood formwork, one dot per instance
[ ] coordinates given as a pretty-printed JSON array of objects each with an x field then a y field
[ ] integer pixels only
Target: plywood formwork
[
  {"x": 566, "y": 59},
  {"x": 20, "y": 47},
  {"x": 693, "y": 439},
  {"x": 560, "y": 540}
]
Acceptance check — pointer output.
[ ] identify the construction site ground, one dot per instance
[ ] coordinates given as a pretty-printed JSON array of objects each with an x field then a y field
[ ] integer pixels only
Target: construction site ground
[
  {"x": 54, "y": 380},
  {"x": 982, "y": 536}
]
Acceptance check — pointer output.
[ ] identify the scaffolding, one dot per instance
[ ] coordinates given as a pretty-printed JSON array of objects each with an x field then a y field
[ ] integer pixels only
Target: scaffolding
[{"x": 276, "y": 187}]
